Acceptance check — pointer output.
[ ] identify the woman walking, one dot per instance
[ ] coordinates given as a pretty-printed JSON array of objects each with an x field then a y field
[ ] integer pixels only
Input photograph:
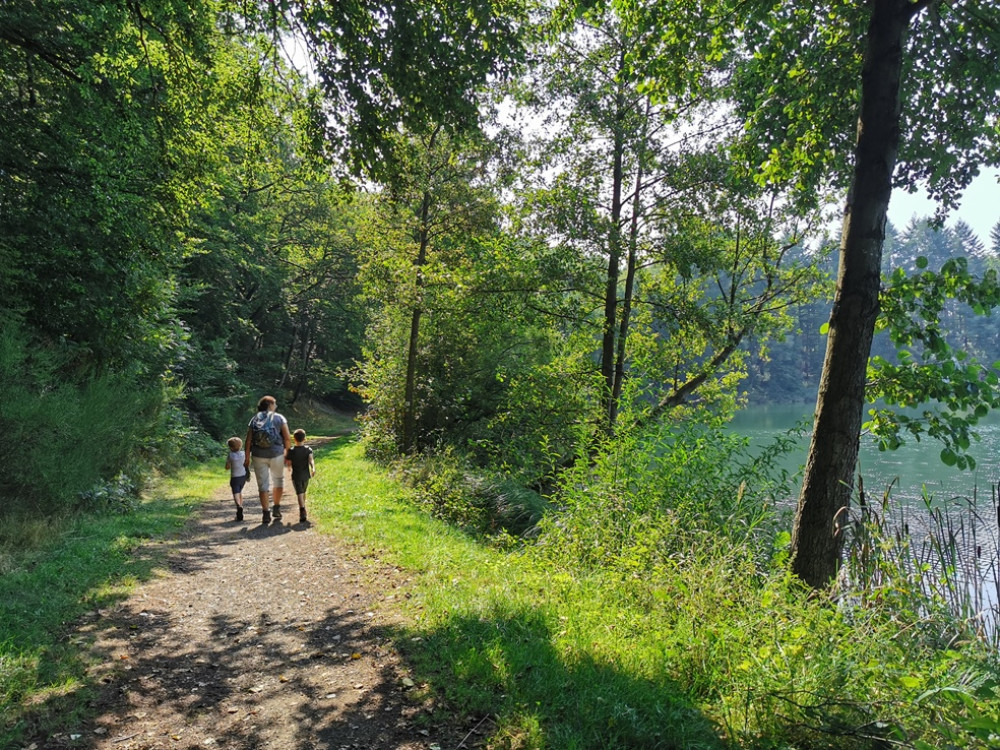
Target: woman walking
[{"x": 267, "y": 442}]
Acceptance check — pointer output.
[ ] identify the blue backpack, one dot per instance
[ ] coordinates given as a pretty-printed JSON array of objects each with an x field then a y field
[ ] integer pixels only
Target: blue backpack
[{"x": 266, "y": 434}]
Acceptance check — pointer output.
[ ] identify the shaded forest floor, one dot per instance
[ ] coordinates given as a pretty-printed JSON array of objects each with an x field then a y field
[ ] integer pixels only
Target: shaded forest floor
[{"x": 255, "y": 637}]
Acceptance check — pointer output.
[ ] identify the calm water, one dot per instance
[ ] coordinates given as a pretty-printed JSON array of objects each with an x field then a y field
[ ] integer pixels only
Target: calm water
[
  {"x": 965, "y": 497},
  {"x": 915, "y": 466}
]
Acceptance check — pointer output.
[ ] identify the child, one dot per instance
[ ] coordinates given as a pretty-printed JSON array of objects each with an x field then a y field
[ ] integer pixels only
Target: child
[
  {"x": 300, "y": 456},
  {"x": 237, "y": 473}
]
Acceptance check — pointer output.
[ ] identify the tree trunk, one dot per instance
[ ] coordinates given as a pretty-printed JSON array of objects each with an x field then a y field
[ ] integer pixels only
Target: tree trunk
[
  {"x": 833, "y": 452},
  {"x": 286, "y": 371},
  {"x": 410, "y": 397},
  {"x": 608, "y": 346},
  {"x": 630, "y": 270}
]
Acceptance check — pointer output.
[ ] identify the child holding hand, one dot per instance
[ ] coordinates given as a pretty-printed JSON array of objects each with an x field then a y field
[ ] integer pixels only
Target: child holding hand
[
  {"x": 237, "y": 473},
  {"x": 300, "y": 456}
]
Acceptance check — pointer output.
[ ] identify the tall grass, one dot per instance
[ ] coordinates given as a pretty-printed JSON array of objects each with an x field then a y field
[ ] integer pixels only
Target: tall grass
[{"x": 940, "y": 557}]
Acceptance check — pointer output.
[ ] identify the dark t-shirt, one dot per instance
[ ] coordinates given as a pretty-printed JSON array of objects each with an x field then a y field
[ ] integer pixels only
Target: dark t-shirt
[{"x": 299, "y": 456}]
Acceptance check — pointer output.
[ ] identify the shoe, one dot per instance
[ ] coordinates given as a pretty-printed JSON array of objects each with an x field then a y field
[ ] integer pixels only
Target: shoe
[
  {"x": 266, "y": 518},
  {"x": 239, "y": 513},
  {"x": 276, "y": 511},
  {"x": 302, "y": 515}
]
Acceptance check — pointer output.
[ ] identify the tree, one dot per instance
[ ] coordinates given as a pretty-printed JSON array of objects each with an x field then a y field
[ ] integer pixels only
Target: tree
[
  {"x": 429, "y": 224},
  {"x": 878, "y": 54},
  {"x": 415, "y": 65},
  {"x": 95, "y": 106},
  {"x": 267, "y": 287},
  {"x": 679, "y": 254}
]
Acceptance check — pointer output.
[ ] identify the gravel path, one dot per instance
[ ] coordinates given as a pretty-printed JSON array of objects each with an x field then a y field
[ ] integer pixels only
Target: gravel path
[{"x": 256, "y": 637}]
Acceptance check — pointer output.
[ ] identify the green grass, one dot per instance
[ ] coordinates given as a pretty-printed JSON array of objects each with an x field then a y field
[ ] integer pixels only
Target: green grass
[
  {"x": 704, "y": 651},
  {"x": 707, "y": 650},
  {"x": 55, "y": 569},
  {"x": 317, "y": 420},
  {"x": 545, "y": 653}
]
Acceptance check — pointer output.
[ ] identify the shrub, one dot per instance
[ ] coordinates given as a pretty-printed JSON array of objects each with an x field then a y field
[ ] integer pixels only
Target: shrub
[
  {"x": 70, "y": 436},
  {"x": 453, "y": 490},
  {"x": 641, "y": 497}
]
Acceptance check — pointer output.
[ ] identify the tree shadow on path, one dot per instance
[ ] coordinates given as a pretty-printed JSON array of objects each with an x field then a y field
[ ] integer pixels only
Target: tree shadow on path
[{"x": 510, "y": 673}]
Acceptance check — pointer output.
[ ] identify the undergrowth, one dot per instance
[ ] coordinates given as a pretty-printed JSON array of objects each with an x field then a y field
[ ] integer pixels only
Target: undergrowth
[{"x": 654, "y": 608}]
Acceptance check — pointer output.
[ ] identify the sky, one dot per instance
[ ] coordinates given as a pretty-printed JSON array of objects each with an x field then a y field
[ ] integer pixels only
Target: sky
[{"x": 979, "y": 208}]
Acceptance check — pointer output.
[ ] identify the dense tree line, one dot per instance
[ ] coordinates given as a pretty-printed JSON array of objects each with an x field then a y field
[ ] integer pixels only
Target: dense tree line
[
  {"x": 171, "y": 246},
  {"x": 789, "y": 371}
]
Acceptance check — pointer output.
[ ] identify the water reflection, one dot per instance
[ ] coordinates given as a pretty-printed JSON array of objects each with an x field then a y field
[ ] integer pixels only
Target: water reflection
[
  {"x": 913, "y": 467},
  {"x": 926, "y": 495}
]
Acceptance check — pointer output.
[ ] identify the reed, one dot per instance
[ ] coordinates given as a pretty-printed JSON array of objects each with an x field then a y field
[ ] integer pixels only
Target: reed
[{"x": 939, "y": 558}]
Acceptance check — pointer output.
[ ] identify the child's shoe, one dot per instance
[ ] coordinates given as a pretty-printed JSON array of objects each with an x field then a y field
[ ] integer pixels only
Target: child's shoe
[
  {"x": 277, "y": 512},
  {"x": 266, "y": 518},
  {"x": 302, "y": 515},
  {"x": 239, "y": 512}
]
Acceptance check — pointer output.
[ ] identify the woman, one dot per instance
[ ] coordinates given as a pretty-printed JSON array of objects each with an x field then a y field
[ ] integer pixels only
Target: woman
[{"x": 267, "y": 442}]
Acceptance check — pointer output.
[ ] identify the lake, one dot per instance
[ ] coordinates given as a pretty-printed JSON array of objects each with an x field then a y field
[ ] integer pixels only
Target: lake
[
  {"x": 965, "y": 498},
  {"x": 914, "y": 466}
]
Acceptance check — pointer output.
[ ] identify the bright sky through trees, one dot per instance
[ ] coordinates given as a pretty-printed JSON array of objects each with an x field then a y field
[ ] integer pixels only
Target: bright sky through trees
[{"x": 979, "y": 207}]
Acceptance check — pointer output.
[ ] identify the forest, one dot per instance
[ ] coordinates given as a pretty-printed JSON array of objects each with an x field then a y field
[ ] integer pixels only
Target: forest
[{"x": 544, "y": 251}]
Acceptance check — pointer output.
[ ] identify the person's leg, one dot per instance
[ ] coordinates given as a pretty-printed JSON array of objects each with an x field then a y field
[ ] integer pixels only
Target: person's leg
[
  {"x": 236, "y": 483},
  {"x": 277, "y": 470},
  {"x": 301, "y": 486},
  {"x": 261, "y": 470}
]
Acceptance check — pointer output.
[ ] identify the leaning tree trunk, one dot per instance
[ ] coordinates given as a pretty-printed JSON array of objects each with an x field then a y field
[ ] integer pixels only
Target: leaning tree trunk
[{"x": 833, "y": 452}]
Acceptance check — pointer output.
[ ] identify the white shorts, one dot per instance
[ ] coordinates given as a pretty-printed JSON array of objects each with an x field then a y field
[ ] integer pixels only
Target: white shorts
[{"x": 268, "y": 469}]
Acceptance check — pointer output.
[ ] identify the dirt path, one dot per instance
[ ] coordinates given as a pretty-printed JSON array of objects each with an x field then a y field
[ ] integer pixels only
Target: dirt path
[{"x": 256, "y": 637}]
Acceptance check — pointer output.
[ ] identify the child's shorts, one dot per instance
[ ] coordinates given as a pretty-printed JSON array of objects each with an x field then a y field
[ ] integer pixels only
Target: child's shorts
[
  {"x": 301, "y": 484},
  {"x": 237, "y": 483}
]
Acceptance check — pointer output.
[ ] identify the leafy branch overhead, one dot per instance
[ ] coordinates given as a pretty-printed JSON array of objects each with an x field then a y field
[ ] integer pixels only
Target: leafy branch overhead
[{"x": 415, "y": 65}]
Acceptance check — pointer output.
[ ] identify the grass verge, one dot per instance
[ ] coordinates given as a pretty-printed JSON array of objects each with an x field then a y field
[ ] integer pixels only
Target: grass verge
[
  {"x": 545, "y": 656},
  {"x": 709, "y": 648}
]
